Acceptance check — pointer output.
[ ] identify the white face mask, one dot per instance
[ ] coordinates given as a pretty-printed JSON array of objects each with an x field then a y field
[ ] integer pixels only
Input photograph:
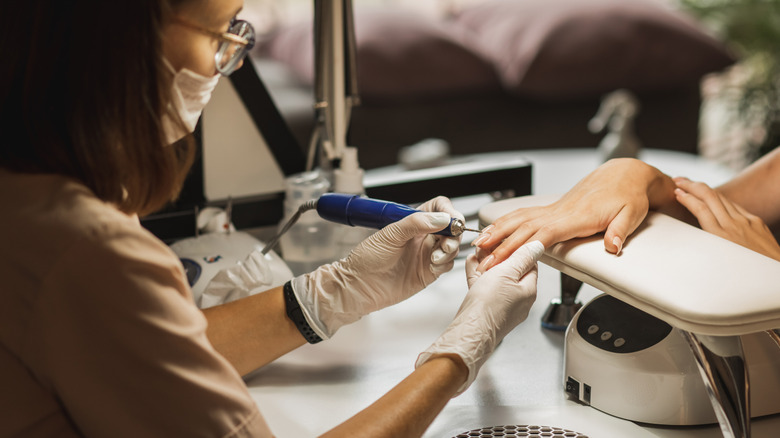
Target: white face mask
[{"x": 191, "y": 92}]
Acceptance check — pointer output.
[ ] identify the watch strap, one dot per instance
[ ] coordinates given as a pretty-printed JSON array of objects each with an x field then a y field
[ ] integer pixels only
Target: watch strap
[{"x": 295, "y": 313}]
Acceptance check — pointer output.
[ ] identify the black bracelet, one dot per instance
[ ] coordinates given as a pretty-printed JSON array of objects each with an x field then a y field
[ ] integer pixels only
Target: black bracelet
[{"x": 295, "y": 314}]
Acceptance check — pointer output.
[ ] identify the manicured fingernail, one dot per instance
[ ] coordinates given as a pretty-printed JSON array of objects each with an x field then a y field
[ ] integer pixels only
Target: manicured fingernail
[
  {"x": 486, "y": 263},
  {"x": 481, "y": 239},
  {"x": 488, "y": 228},
  {"x": 618, "y": 243}
]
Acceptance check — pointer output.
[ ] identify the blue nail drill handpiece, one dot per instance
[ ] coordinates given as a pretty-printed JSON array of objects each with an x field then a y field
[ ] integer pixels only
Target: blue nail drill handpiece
[{"x": 358, "y": 211}]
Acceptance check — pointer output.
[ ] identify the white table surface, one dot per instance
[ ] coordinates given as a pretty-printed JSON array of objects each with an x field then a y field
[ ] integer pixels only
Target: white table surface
[{"x": 316, "y": 387}]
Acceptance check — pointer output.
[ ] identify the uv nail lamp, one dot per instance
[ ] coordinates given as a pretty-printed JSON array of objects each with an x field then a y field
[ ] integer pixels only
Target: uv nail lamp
[
  {"x": 718, "y": 299},
  {"x": 629, "y": 364}
]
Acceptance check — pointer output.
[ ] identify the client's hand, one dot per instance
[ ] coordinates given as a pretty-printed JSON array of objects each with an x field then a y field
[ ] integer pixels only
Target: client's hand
[
  {"x": 718, "y": 215},
  {"x": 497, "y": 301},
  {"x": 614, "y": 198},
  {"x": 388, "y": 267}
]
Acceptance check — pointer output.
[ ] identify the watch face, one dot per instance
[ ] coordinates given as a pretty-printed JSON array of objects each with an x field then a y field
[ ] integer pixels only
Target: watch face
[{"x": 192, "y": 269}]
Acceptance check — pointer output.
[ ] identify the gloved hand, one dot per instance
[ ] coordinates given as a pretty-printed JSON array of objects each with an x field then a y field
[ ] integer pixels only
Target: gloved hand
[
  {"x": 445, "y": 249},
  {"x": 497, "y": 301},
  {"x": 387, "y": 268},
  {"x": 237, "y": 281}
]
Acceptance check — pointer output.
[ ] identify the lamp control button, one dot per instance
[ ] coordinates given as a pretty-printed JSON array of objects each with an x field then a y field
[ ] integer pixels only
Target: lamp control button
[
  {"x": 606, "y": 335},
  {"x": 619, "y": 342},
  {"x": 593, "y": 329}
]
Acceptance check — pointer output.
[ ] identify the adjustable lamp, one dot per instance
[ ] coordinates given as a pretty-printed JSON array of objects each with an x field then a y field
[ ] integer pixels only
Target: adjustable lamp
[{"x": 335, "y": 76}]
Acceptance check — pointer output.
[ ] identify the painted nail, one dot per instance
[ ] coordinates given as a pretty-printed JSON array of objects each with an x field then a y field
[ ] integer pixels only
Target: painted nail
[
  {"x": 486, "y": 263},
  {"x": 481, "y": 239},
  {"x": 619, "y": 243},
  {"x": 488, "y": 228}
]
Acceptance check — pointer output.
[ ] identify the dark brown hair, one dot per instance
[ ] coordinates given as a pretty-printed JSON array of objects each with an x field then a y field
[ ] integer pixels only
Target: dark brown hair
[{"x": 82, "y": 94}]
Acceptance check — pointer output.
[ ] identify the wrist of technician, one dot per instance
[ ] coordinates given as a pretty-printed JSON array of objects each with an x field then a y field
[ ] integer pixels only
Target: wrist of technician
[
  {"x": 468, "y": 365},
  {"x": 460, "y": 365},
  {"x": 297, "y": 315}
]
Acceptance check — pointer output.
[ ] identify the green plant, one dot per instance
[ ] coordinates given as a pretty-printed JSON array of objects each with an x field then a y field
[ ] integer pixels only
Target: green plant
[{"x": 752, "y": 29}]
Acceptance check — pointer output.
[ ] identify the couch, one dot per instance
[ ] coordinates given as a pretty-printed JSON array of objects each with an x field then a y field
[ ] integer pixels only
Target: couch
[{"x": 505, "y": 75}]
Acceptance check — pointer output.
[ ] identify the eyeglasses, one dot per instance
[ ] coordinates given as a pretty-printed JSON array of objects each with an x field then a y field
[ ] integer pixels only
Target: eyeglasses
[{"x": 233, "y": 44}]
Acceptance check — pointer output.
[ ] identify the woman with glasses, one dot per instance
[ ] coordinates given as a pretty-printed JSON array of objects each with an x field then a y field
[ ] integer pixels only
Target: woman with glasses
[{"x": 99, "y": 334}]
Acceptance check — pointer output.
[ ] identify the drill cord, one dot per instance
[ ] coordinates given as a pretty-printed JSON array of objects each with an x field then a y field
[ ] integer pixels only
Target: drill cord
[{"x": 306, "y": 206}]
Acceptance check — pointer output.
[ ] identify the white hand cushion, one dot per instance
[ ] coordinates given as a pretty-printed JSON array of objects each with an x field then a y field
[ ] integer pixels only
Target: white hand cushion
[{"x": 691, "y": 279}]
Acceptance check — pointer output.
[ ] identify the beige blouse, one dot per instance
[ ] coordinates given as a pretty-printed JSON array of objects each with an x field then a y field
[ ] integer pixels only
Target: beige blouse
[{"x": 99, "y": 335}]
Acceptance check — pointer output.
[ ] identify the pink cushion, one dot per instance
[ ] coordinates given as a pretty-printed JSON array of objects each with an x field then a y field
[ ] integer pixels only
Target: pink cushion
[
  {"x": 400, "y": 55},
  {"x": 574, "y": 48}
]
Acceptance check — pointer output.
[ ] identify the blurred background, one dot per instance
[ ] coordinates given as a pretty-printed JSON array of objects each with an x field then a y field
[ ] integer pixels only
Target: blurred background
[{"x": 490, "y": 75}]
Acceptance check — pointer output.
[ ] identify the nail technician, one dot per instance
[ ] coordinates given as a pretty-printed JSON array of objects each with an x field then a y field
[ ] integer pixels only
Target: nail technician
[{"x": 100, "y": 335}]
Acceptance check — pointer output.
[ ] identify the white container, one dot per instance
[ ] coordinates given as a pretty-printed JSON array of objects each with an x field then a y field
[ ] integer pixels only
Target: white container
[{"x": 309, "y": 243}]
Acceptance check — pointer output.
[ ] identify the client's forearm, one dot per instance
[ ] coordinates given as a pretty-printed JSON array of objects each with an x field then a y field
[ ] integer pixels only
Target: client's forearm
[{"x": 757, "y": 189}]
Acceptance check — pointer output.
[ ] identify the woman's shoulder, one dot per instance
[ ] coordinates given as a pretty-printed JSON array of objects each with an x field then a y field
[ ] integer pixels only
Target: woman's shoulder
[
  {"x": 35, "y": 203},
  {"x": 46, "y": 215}
]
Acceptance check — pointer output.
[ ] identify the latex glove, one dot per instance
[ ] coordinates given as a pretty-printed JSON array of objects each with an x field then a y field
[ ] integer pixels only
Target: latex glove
[
  {"x": 445, "y": 248},
  {"x": 497, "y": 301},
  {"x": 387, "y": 268},
  {"x": 237, "y": 281}
]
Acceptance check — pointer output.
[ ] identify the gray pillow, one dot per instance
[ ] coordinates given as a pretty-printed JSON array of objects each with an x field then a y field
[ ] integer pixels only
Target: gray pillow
[
  {"x": 556, "y": 49},
  {"x": 401, "y": 55}
]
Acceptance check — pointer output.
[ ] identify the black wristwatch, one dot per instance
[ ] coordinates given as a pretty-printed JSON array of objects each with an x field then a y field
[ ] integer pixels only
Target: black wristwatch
[{"x": 295, "y": 314}]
